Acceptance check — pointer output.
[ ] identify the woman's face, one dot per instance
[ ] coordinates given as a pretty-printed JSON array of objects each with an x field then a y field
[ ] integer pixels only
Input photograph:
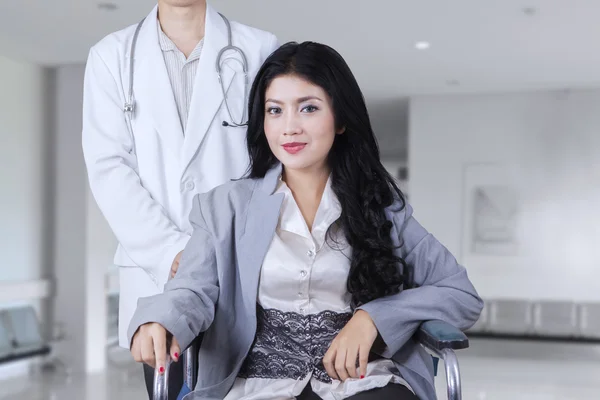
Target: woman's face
[{"x": 299, "y": 123}]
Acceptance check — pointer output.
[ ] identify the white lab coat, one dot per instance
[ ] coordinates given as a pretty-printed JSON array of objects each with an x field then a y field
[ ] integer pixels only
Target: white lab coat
[{"x": 144, "y": 176}]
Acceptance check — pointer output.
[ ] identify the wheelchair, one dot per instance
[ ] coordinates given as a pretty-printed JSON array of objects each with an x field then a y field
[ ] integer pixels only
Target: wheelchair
[{"x": 439, "y": 338}]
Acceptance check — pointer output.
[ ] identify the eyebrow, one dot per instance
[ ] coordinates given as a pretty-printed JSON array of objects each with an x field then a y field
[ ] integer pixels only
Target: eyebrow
[{"x": 300, "y": 100}]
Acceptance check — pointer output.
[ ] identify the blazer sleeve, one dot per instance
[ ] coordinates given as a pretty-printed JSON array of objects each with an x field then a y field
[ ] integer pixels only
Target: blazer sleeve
[
  {"x": 187, "y": 306},
  {"x": 440, "y": 288},
  {"x": 140, "y": 223}
]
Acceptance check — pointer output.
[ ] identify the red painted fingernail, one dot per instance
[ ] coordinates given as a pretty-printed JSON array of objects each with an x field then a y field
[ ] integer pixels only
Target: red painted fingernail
[
  {"x": 161, "y": 370},
  {"x": 176, "y": 355},
  {"x": 362, "y": 376}
]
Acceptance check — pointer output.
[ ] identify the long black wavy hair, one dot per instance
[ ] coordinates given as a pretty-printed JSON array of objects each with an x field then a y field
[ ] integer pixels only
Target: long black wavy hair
[{"x": 362, "y": 185}]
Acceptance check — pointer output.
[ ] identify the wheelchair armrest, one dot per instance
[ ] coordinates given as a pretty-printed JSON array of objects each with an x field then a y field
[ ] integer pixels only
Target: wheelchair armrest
[
  {"x": 442, "y": 339},
  {"x": 439, "y": 335}
]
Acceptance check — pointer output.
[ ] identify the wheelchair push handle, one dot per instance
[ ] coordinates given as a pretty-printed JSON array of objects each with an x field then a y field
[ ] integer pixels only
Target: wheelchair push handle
[
  {"x": 189, "y": 359},
  {"x": 161, "y": 382}
]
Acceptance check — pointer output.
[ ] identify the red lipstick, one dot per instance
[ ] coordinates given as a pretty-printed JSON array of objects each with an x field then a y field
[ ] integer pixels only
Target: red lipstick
[{"x": 293, "y": 147}]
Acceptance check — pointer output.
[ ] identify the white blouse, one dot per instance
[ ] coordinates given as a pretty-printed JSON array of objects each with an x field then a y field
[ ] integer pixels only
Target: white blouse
[{"x": 303, "y": 303}]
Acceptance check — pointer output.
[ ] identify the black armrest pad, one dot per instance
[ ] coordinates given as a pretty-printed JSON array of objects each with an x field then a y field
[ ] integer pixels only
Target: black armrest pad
[
  {"x": 439, "y": 335},
  {"x": 42, "y": 351}
]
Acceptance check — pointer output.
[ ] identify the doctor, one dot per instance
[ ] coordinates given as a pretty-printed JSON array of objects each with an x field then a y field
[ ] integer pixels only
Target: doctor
[{"x": 164, "y": 112}]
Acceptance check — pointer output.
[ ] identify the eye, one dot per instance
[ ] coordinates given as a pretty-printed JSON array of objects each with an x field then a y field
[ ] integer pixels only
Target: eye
[
  {"x": 273, "y": 110},
  {"x": 309, "y": 109}
]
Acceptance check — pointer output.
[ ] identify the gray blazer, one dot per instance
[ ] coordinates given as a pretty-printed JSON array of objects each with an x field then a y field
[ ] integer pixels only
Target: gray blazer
[{"x": 216, "y": 287}]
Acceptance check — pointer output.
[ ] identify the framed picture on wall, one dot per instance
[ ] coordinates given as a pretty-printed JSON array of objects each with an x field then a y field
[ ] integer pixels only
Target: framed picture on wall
[{"x": 491, "y": 210}]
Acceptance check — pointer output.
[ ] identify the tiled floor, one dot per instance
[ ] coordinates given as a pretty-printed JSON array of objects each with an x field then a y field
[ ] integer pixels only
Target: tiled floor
[{"x": 490, "y": 371}]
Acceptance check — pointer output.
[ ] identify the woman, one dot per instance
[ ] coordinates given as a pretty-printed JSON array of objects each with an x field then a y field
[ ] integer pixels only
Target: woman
[{"x": 310, "y": 276}]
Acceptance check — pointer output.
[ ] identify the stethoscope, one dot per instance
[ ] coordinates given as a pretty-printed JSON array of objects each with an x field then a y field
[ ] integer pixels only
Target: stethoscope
[{"x": 129, "y": 105}]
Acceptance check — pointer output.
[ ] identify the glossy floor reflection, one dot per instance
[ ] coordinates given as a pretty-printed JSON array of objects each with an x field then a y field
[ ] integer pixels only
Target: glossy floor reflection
[
  {"x": 491, "y": 370},
  {"x": 500, "y": 370}
]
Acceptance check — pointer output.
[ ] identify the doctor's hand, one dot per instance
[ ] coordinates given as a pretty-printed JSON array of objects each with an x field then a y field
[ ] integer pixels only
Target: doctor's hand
[
  {"x": 149, "y": 345},
  {"x": 175, "y": 265},
  {"x": 352, "y": 343}
]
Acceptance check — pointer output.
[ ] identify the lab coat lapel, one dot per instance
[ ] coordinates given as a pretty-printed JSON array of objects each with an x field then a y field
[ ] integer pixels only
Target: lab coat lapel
[
  {"x": 261, "y": 223},
  {"x": 152, "y": 84},
  {"x": 207, "y": 95}
]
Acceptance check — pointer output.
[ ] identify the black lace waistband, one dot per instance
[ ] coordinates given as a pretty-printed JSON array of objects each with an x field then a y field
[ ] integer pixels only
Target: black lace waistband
[{"x": 291, "y": 345}]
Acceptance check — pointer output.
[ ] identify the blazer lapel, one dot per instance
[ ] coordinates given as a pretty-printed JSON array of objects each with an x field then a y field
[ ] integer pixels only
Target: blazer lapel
[
  {"x": 207, "y": 95},
  {"x": 153, "y": 87},
  {"x": 261, "y": 223}
]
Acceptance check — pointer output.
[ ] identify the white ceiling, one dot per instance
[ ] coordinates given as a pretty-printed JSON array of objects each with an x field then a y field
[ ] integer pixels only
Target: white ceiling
[{"x": 484, "y": 45}]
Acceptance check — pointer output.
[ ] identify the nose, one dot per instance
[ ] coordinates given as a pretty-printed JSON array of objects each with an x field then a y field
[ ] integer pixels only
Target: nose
[{"x": 292, "y": 124}]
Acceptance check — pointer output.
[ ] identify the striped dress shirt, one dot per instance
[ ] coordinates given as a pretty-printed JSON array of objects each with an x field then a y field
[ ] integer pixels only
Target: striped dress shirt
[{"x": 182, "y": 73}]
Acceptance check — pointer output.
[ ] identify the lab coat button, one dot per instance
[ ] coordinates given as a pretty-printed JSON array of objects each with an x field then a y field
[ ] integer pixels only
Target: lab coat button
[{"x": 189, "y": 185}]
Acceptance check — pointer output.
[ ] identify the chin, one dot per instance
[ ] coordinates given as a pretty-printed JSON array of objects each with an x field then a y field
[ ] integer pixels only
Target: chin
[
  {"x": 301, "y": 165},
  {"x": 183, "y": 3},
  {"x": 291, "y": 163}
]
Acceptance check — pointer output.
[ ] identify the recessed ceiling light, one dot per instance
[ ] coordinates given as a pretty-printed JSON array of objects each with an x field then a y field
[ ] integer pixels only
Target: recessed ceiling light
[
  {"x": 422, "y": 45},
  {"x": 452, "y": 82},
  {"x": 529, "y": 11},
  {"x": 107, "y": 6}
]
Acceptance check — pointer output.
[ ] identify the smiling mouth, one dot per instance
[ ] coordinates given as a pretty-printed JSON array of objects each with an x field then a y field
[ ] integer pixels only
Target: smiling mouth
[{"x": 293, "y": 148}]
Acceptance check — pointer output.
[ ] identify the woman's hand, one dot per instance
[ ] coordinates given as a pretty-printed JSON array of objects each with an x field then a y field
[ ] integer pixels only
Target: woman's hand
[
  {"x": 354, "y": 341},
  {"x": 149, "y": 345}
]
